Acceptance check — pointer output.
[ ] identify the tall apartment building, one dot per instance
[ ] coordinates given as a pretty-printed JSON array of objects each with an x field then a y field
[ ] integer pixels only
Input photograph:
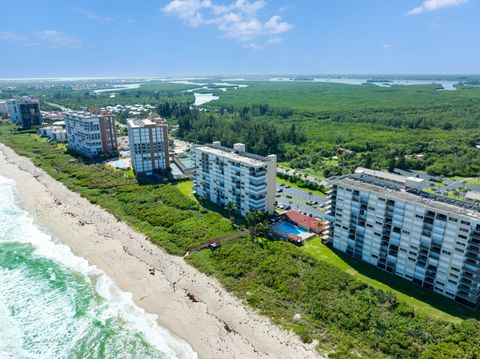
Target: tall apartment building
[
  {"x": 224, "y": 175},
  {"x": 25, "y": 111},
  {"x": 148, "y": 142},
  {"x": 91, "y": 133},
  {"x": 3, "y": 108},
  {"x": 388, "y": 221}
]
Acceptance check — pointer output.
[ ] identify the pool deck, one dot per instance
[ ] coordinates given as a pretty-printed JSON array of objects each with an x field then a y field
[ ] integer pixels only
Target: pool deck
[{"x": 303, "y": 237}]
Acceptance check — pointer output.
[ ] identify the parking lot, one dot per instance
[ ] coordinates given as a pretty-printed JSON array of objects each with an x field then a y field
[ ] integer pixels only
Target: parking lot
[{"x": 300, "y": 200}]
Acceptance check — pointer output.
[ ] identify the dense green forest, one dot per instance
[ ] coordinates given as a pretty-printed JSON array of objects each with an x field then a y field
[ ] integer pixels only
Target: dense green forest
[
  {"x": 347, "y": 317},
  {"x": 411, "y": 127},
  {"x": 419, "y": 127}
]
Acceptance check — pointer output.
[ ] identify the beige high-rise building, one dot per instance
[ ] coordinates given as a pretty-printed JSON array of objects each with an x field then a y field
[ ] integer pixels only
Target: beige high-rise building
[{"x": 148, "y": 142}]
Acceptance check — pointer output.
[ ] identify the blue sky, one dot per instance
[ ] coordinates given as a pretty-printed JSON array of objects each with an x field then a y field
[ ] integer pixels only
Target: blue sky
[{"x": 50, "y": 38}]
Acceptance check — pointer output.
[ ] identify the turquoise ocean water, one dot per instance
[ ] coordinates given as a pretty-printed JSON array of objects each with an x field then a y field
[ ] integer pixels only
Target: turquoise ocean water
[{"x": 54, "y": 304}]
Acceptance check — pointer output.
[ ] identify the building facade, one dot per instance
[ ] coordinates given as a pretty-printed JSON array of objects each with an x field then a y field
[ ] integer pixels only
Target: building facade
[
  {"x": 390, "y": 222},
  {"x": 91, "y": 133},
  {"x": 55, "y": 133},
  {"x": 148, "y": 143},
  {"x": 3, "y": 108},
  {"x": 224, "y": 175},
  {"x": 25, "y": 111}
]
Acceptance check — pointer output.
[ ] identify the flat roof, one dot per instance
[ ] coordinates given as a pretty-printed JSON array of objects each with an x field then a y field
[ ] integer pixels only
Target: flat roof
[
  {"x": 473, "y": 196},
  {"x": 427, "y": 199},
  {"x": 140, "y": 123},
  {"x": 381, "y": 174},
  {"x": 237, "y": 156},
  {"x": 87, "y": 114}
]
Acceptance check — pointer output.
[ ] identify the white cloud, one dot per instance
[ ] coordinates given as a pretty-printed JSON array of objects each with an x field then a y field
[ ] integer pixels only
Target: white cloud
[
  {"x": 95, "y": 17},
  {"x": 275, "y": 26},
  {"x": 56, "y": 40},
  {"x": 432, "y": 5},
  {"x": 10, "y": 36},
  {"x": 47, "y": 38},
  {"x": 238, "y": 20}
]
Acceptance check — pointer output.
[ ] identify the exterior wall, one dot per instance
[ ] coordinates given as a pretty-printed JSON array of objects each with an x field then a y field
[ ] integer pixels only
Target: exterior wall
[
  {"x": 13, "y": 112},
  {"x": 108, "y": 134},
  {"x": 3, "y": 107},
  {"x": 149, "y": 148},
  {"x": 222, "y": 180},
  {"x": 435, "y": 249},
  {"x": 90, "y": 135},
  {"x": 25, "y": 111},
  {"x": 55, "y": 133}
]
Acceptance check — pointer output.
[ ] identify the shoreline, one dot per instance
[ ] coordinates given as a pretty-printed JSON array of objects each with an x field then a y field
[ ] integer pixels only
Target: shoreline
[{"x": 214, "y": 322}]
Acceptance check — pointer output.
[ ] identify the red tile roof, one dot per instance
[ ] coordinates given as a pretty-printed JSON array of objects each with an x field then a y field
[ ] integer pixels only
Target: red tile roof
[{"x": 312, "y": 224}]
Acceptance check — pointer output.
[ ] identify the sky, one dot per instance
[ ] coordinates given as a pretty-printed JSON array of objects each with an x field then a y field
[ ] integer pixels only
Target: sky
[{"x": 91, "y": 38}]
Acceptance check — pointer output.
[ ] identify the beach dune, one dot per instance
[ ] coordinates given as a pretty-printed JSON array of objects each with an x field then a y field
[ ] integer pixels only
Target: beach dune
[{"x": 214, "y": 322}]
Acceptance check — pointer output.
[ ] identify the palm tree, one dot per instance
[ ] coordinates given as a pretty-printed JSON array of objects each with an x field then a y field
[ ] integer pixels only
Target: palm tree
[{"x": 230, "y": 207}]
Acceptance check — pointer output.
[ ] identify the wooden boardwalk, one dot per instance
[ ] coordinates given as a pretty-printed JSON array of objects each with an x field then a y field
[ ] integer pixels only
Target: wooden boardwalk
[{"x": 218, "y": 240}]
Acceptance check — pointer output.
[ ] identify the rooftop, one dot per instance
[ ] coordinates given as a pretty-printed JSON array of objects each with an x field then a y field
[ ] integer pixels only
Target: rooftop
[
  {"x": 393, "y": 188},
  {"x": 90, "y": 113},
  {"x": 383, "y": 175},
  {"x": 153, "y": 120},
  {"x": 234, "y": 155},
  {"x": 303, "y": 220}
]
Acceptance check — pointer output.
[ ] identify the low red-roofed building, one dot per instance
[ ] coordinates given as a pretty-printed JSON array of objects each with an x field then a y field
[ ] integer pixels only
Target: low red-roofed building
[{"x": 308, "y": 223}]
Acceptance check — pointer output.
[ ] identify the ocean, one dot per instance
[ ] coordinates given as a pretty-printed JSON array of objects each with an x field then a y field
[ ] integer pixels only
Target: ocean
[{"x": 54, "y": 304}]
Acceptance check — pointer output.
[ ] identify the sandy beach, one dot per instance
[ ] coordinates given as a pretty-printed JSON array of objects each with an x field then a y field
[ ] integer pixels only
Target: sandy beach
[{"x": 199, "y": 310}]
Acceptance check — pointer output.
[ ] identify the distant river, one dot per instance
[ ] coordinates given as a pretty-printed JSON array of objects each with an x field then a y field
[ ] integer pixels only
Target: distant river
[
  {"x": 203, "y": 98},
  {"x": 119, "y": 88},
  {"x": 54, "y": 304},
  {"x": 447, "y": 85}
]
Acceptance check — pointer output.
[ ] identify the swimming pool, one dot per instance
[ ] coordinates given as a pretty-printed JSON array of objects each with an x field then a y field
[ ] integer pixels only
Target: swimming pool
[{"x": 291, "y": 229}]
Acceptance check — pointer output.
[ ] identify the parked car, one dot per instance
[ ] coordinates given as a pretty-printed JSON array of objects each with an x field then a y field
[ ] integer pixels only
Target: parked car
[{"x": 279, "y": 190}]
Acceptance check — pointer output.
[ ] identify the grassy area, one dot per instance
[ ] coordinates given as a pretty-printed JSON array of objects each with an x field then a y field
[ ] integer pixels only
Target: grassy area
[
  {"x": 295, "y": 185},
  {"x": 185, "y": 187},
  {"x": 336, "y": 307},
  {"x": 424, "y": 302}
]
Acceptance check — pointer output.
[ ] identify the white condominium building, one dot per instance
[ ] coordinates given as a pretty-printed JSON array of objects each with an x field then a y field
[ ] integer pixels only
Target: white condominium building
[
  {"x": 148, "y": 142},
  {"x": 91, "y": 133},
  {"x": 224, "y": 175},
  {"x": 390, "y": 222},
  {"x": 55, "y": 133}
]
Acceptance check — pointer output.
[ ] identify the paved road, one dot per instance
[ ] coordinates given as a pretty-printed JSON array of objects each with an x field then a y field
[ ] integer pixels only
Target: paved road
[
  {"x": 299, "y": 174},
  {"x": 297, "y": 199}
]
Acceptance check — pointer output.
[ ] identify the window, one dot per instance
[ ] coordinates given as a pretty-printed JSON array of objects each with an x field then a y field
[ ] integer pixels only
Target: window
[{"x": 465, "y": 223}]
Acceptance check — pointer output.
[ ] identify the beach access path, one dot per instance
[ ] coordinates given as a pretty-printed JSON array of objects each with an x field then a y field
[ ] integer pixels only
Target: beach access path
[{"x": 196, "y": 308}]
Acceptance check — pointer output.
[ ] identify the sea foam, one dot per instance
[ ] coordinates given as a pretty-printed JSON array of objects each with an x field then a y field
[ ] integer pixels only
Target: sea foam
[{"x": 53, "y": 301}]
